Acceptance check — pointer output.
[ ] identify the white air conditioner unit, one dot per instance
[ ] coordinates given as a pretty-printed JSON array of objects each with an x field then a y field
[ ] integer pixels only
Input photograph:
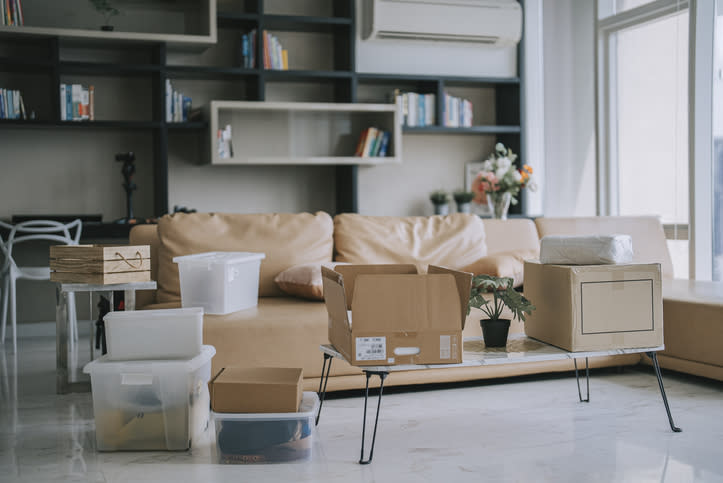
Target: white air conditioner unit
[{"x": 495, "y": 22}]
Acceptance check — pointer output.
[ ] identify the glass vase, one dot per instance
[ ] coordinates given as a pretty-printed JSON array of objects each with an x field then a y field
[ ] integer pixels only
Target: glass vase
[{"x": 498, "y": 204}]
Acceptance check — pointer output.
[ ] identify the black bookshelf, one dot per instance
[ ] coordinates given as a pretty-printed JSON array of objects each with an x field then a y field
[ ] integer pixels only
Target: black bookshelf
[{"x": 344, "y": 82}]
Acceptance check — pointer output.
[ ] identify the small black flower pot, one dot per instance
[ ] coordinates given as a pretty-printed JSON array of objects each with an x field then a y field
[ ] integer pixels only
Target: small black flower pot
[{"x": 495, "y": 332}]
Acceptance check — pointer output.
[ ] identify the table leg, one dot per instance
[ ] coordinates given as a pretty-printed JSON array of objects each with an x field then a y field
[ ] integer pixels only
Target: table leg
[
  {"x": 61, "y": 341},
  {"x": 324, "y": 379},
  {"x": 654, "y": 357},
  {"x": 382, "y": 375},
  {"x": 587, "y": 377}
]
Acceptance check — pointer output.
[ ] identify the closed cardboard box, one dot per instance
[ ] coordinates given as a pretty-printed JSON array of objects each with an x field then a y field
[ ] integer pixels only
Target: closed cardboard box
[
  {"x": 595, "y": 307},
  {"x": 383, "y": 315},
  {"x": 256, "y": 390}
]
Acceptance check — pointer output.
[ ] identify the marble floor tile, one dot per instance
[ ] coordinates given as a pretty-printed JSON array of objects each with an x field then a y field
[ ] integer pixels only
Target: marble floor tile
[{"x": 531, "y": 429}]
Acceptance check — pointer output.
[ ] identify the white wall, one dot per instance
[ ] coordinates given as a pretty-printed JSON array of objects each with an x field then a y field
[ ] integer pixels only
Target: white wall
[{"x": 569, "y": 125}]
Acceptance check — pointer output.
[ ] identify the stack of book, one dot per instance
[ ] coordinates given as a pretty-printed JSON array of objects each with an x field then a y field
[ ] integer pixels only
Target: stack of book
[
  {"x": 457, "y": 112},
  {"x": 12, "y": 12},
  {"x": 225, "y": 143},
  {"x": 276, "y": 56},
  {"x": 11, "y": 105},
  {"x": 248, "y": 50},
  {"x": 416, "y": 110},
  {"x": 178, "y": 106},
  {"x": 373, "y": 142},
  {"x": 77, "y": 102}
]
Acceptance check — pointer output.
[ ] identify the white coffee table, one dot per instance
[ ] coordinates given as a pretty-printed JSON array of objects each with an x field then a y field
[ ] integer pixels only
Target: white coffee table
[
  {"x": 520, "y": 348},
  {"x": 63, "y": 383}
]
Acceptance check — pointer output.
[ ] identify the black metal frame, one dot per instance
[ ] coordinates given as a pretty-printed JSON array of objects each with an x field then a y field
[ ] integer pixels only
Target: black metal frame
[{"x": 326, "y": 369}]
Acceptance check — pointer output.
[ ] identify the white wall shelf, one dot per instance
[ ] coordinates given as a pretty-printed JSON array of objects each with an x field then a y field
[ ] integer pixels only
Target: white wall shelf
[{"x": 291, "y": 133}]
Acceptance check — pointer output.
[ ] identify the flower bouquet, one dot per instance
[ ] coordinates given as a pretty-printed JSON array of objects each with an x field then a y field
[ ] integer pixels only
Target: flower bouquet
[{"x": 500, "y": 181}]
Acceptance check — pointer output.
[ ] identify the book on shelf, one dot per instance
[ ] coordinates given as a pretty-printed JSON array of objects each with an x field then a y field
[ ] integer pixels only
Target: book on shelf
[
  {"x": 225, "y": 144},
  {"x": 275, "y": 56},
  {"x": 12, "y": 12},
  {"x": 77, "y": 102},
  {"x": 415, "y": 109},
  {"x": 458, "y": 112},
  {"x": 178, "y": 106},
  {"x": 12, "y": 105},
  {"x": 373, "y": 142},
  {"x": 248, "y": 50}
]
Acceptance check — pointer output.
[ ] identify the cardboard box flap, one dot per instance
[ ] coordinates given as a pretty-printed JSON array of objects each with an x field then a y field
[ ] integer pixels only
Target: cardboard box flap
[
  {"x": 350, "y": 272},
  {"x": 405, "y": 303},
  {"x": 334, "y": 295},
  {"x": 464, "y": 286}
]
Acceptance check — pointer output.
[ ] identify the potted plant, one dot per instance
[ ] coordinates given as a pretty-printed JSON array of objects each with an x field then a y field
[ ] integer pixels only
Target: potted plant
[
  {"x": 107, "y": 10},
  {"x": 463, "y": 199},
  {"x": 494, "y": 328},
  {"x": 440, "y": 200}
]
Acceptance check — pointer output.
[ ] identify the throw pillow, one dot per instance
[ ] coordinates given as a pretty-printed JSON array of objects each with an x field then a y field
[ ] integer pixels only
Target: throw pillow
[
  {"x": 505, "y": 264},
  {"x": 304, "y": 280}
]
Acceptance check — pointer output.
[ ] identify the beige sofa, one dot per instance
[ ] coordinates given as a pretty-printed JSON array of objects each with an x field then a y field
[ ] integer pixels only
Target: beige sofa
[{"x": 286, "y": 331}]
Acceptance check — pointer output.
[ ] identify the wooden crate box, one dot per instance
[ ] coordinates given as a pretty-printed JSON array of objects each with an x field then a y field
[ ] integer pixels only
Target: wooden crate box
[{"x": 100, "y": 264}]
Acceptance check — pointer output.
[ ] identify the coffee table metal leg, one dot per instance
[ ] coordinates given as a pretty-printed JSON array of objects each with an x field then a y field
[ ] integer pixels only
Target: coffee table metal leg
[
  {"x": 654, "y": 357},
  {"x": 382, "y": 376},
  {"x": 325, "y": 370},
  {"x": 61, "y": 341},
  {"x": 587, "y": 377}
]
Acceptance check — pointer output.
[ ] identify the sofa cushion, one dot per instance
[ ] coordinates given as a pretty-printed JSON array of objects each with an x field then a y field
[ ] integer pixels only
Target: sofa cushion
[
  {"x": 649, "y": 243},
  {"x": 518, "y": 234},
  {"x": 303, "y": 280},
  {"x": 286, "y": 239},
  {"x": 506, "y": 264},
  {"x": 453, "y": 241}
]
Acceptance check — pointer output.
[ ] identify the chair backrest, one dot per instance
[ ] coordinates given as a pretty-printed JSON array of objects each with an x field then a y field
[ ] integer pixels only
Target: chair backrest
[{"x": 63, "y": 233}]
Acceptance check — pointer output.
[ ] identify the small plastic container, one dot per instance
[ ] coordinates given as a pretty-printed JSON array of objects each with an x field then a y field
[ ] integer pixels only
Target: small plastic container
[
  {"x": 266, "y": 437},
  {"x": 154, "y": 334},
  {"x": 220, "y": 282},
  {"x": 150, "y": 405}
]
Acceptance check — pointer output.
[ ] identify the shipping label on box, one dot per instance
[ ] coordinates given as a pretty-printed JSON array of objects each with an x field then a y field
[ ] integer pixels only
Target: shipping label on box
[
  {"x": 389, "y": 314},
  {"x": 595, "y": 307}
]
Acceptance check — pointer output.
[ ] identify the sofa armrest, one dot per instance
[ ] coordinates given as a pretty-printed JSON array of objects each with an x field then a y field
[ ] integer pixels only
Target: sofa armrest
[{"x": 147, "y": 235}]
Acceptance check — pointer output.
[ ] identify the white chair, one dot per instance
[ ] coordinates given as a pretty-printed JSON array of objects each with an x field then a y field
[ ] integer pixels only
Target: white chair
[{"x": 24, "y": 232}]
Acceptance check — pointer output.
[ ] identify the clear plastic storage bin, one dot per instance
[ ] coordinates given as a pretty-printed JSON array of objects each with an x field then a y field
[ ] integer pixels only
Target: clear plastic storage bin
[
  {"x": 220, "y": 282},
  {"x": 154, "y": 334},
  {"x": 266, "y": 437},
  {"x": 150, "y": 405}
]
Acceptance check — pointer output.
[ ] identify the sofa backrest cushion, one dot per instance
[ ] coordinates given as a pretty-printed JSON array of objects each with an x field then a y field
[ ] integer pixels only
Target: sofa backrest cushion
[
  {"x": 286, "y": 239},
  {"x": 513, "y": 235},
  {"x": 649, "y": 243},
  {"x": 453, "y": 241}
]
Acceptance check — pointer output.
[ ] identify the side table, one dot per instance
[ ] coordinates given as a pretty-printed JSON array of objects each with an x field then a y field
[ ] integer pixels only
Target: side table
[{"x": 63, "y": 383}]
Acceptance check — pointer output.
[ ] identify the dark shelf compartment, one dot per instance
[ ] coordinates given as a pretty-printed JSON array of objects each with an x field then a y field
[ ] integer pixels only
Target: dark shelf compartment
[
  {"x": 234, "y": 20},
  {"x": 462, "y": 130},
  {"x": 22, "y": 64},
  {"x": 452, "y": 80},
  {"x": 302, "y": 75},
  {"x": 95, "y": 68},
  {"x": 187, "y": 125},
  {"x": 93, "y": 230},
  {"x": 203, "y": 72},
  {"x": 299, "y": 23},
  {"x": 110, "y": 124}
]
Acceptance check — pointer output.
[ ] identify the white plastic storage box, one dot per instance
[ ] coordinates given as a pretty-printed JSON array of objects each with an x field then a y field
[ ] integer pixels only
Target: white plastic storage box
[
  {"x": 267, "y": 437},
  {"x": 154, "y": 334},
  {"x": 220, "y": 282},
  {"x": 150, "y": 405}
]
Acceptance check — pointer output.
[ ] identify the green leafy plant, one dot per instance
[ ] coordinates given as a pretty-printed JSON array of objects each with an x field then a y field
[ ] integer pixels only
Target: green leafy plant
[
  {"x": 503, "y": 296},
  {"x": 105, "y": 8},
  {"x": 439, "y": 197},
  {"x": 462, "y": 196}
]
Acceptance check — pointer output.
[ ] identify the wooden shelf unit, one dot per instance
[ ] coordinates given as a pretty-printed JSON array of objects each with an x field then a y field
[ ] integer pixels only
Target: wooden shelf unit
[{"x": 343, "y": 80}]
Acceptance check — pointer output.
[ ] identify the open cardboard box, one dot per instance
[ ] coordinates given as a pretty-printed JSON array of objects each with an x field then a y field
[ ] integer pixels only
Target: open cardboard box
[
  {"x": 381, "y": 315},
  {"x": 595, "y": 307}
]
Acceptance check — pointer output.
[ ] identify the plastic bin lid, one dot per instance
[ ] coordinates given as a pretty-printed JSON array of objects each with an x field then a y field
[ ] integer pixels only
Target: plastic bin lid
[
  {"x": 220, "y": 257},
  {"x": 149, "y": 314},
  {"x": 308, "y": 409},
  {"x": 104, "y": 366}
]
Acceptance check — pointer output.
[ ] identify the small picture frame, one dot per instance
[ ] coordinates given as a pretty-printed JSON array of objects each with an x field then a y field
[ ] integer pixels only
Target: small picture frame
[{"x": 470, "y": 173}]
